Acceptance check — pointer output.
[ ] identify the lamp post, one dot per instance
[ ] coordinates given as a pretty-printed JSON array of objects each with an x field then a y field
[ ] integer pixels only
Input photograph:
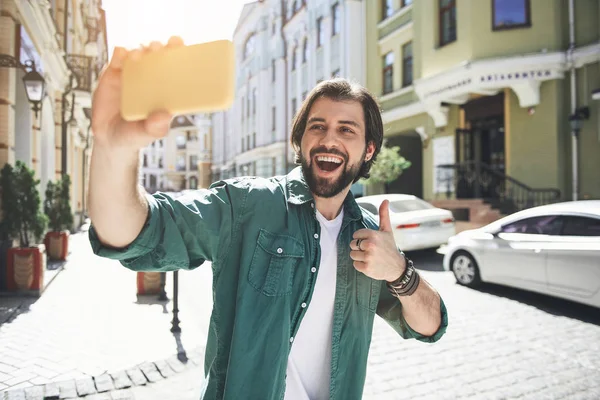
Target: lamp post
[
  {"x": 576, "y": 122},
  {"x": 35, "y": 84}
]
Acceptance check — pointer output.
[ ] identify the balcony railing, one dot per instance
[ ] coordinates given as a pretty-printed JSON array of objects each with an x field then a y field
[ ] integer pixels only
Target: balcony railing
[{"x": 83, "y": 68}]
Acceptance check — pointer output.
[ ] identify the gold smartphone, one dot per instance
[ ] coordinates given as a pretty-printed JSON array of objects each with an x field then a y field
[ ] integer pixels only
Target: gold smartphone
[{"x": 181, "y": 80}]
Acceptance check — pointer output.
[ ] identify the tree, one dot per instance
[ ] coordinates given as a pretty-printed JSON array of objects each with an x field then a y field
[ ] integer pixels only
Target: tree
[
  {"x": 23, "y": 219},
  {"x": 388, "y": 166},
  {"x": 57, "y": 205}
]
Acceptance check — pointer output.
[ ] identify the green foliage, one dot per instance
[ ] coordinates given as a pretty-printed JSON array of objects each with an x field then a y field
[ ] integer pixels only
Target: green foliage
[
  {"x": 57, "y": 205},
  {"x": 388, "y": 166},
  {"x": 22, "y": 217}
]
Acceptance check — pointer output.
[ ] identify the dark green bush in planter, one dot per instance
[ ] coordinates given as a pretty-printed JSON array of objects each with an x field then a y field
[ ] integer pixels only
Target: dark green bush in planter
[
  {"x": 23, "y": 222},
  {"x": 58, "y": 209}
]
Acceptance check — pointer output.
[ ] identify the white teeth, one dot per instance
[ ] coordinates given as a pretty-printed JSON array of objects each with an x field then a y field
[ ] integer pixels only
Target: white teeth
[{"x": 329, "y": 159}]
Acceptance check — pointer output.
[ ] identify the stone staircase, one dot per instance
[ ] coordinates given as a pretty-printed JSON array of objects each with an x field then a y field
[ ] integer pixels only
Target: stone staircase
[{"x": 473, "y": 211}]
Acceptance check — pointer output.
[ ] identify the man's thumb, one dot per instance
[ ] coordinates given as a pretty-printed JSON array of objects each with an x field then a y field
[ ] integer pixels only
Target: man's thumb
[{"x": 385, "y": 225}]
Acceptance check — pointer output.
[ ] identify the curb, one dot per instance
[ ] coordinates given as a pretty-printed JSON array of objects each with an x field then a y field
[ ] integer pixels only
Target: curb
[{"x": 110, "y": 386}]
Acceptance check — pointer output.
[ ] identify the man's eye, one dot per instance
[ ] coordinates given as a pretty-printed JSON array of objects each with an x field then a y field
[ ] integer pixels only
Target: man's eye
[
  {"x": 317, "y": 127},
  {"x": 348, "y": 130}
]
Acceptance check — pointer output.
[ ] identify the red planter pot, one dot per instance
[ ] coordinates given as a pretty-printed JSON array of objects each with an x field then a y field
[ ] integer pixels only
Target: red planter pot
[
  {"x": 148, "y": 282},
  {"x": 57, "y": 245},
  {"x": 25, "y": 269}
]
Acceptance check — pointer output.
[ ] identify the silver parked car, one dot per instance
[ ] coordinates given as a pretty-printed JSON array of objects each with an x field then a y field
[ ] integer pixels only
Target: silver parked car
[{"x": 552, "y": 249}]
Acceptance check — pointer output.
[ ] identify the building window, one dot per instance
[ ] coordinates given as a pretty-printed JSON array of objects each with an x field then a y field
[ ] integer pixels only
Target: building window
[
  {"x": 273, "y": 71},
  {"x": 336, "y": 73},
  {"x": 294, "y": 60},
  {"x": 243, "y": 106},
  {"x": 388, "y": 73},
  {"x": 509, "y": 14},
  {"x": 243, "y": 144},
  {"x": 407, "y": 65},
  {"x": 406, "y": 3},
  {"x": 274, "y": 27},
  {"x": 254, "y": 101},
  {"x": 180, "y": 163},
  {"x": 145, "y": 163},
  {"x": 320, "y": 32},
  {"x": 304, "y": 94},
  {"x": 387, "y": 8},
  {"x": 294, "y": 106},
  {"x": 180, "y": 142},
  {"x": 305, "y": 51},
  {"x": 447, "y": 22},
  {"x": 249, "y": 46},
  {"x": 248, "y": 106},
  {"x": 274, "y": 118},
  {"x": 194, "y": 163},
  {"x": 335, "y": 19},
  {"x": 254, "y": 139}
]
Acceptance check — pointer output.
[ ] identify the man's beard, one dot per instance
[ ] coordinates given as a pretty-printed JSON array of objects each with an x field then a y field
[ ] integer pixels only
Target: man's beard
[{"x": 325, "y": 187}]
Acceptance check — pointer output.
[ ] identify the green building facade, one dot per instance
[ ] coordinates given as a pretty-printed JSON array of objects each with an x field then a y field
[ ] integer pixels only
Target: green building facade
[{"x": 483, "y": 88}]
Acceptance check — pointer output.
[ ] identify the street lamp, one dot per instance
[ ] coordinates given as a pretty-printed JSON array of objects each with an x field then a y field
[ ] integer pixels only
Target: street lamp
[
  {"x": 35, "y": 85},
  {"x": 576, "y": 123}
]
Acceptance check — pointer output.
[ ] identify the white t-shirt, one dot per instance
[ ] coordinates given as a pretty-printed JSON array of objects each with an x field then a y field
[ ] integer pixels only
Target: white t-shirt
[{"x": 309, "y": 363}]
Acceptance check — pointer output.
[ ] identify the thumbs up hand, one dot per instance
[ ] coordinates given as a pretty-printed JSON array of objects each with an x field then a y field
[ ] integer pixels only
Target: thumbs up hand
[{"x": 375, "y": 253}]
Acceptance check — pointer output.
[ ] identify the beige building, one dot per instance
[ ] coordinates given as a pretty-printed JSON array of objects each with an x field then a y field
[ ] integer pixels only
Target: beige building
[
  {"x": 182, "y": 160},
  {"x": 480, "y": 95},
  {"x": 66, "y": 42}
]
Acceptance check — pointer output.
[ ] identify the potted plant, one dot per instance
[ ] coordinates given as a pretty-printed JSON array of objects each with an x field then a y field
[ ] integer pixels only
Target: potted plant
[
  {"x": 23, "y": 222},
  {"x": 388, "y": 167},
  {"x": 57, "y": 208}
]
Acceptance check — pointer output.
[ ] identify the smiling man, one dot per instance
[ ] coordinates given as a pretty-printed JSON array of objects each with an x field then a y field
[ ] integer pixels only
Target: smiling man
[{"x": 299, "y": 269}]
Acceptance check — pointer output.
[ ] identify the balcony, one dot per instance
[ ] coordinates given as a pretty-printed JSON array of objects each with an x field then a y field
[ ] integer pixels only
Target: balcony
[
  {"x": 83, "y": 69},
  {"x": 398, "y": 20}
]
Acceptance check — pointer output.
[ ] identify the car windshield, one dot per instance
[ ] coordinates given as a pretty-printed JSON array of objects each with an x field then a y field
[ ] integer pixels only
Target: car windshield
[{"x": 400, "y": 206}]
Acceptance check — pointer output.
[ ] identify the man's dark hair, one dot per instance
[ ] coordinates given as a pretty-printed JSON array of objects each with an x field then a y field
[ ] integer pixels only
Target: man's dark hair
[{"x": 340, "y": 89}]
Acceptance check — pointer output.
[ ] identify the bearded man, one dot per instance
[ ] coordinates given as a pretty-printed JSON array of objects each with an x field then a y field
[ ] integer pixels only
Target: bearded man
[{"x": 299, "y": 269}]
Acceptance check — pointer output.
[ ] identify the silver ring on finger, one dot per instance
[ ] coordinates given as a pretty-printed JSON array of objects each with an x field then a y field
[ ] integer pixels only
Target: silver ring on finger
[{"x": 358, "y": 244}]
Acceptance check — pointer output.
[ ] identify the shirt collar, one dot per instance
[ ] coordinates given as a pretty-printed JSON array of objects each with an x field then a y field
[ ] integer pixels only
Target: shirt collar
[{"x": 298, "y": 193}]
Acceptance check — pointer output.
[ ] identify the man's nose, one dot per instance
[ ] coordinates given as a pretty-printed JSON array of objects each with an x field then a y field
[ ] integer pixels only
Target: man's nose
[{"x": 330, "y": 138}]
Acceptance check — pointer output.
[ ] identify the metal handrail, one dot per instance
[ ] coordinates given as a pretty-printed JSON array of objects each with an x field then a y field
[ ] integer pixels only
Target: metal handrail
[{"x": 517, "y": 195}]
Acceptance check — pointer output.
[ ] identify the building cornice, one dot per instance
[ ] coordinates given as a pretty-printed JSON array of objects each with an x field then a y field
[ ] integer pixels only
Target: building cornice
[{"x": 523, "y": 74}]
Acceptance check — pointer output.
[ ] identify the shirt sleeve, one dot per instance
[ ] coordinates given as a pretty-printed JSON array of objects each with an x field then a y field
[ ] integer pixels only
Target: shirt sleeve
[
  {"x": 390, "y": 309},
  {"x": 179, "y": 233}
]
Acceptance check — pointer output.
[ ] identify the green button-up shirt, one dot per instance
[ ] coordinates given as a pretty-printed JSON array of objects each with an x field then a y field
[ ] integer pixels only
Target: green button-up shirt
[{"x": 262, "y": 237}]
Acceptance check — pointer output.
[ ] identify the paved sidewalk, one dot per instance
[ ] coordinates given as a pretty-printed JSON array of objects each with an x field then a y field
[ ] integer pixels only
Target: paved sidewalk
[
  {"x": 89, "y": 322},
  {"x": 89, "y": 337}
]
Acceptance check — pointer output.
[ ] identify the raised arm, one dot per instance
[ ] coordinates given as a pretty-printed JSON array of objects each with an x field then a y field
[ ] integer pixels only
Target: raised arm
[{"x": 117, "y": 204}]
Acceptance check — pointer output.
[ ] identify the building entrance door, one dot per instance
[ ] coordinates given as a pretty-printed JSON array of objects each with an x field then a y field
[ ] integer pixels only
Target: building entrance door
[{"x": 480, "y": 150}]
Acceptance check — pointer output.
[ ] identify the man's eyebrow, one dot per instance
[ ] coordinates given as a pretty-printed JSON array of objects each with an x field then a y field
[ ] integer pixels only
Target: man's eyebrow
[
  {"x": 345, "y": 122},
  {"x": 315, "y": 119}
]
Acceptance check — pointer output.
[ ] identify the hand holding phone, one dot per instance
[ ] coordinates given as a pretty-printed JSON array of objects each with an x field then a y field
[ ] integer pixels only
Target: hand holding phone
[{"x": 134, "y": 101}]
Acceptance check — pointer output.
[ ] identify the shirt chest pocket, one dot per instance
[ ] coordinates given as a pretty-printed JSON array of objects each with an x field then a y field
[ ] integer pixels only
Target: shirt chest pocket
[{"x": 274, "y": 263}]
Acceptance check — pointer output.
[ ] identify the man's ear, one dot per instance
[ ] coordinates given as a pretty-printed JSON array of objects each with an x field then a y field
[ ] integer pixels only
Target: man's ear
[{"x": 370, "y": 151}]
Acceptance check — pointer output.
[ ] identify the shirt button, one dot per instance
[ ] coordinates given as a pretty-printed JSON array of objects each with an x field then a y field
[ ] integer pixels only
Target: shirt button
[
  {"x": 279, "y": 250},
  {"x": 312, "y": 205},
  {"x": 316, "y": 235},
  {"x": 303, "y": 305},
  {"x": 313, "y": 270},
  {"x": 292, "y": 340}
]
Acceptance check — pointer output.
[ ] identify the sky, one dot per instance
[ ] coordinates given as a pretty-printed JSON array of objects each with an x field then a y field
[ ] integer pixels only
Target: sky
[{"x": 134, "y": 22}]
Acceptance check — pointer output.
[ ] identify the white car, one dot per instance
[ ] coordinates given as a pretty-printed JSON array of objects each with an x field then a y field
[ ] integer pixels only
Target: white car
[
  {"x": 417, "y": 224},
  {"x": 552, "y": 249}
]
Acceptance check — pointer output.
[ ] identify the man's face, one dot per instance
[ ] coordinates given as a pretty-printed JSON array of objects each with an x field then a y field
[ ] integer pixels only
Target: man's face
[{"x": 333, "y": 148}]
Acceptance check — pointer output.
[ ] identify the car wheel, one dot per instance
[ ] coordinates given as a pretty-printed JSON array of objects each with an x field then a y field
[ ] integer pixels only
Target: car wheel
[{"x": 465, "y": 269}]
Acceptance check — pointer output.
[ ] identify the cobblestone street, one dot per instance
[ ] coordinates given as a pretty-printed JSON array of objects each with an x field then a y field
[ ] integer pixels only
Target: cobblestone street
[{"x": 501, "y": 343}]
